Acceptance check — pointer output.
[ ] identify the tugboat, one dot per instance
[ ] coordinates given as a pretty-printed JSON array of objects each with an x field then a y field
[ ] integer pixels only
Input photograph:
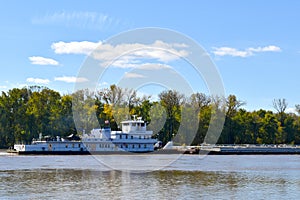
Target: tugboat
[{"x": 134, "y": 138}]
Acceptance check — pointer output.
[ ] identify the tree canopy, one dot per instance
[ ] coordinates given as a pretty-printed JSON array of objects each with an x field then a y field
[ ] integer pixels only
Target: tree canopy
[{"x": 26, "y": 112}]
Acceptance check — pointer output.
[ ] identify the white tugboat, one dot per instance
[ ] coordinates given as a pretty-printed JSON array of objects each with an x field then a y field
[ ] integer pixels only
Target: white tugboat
[{"x": 134, "y": 137}]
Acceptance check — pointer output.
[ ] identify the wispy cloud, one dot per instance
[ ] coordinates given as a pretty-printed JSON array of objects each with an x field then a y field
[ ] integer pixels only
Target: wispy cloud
[
  {"x": 149, "y": 71},
  {"x": 38, "y": 81},
  {"x": 154, "y": 66},
  {"x": 270, "y": 48},
  {"x": 83, "y": 47},
  {"x": 82, "y": 20},
  {"x": 71, "y": 79},
  {"x": 229, "y": 51},
  {"x": 38, "y": 60},
  {"x": 133, "y": 75}
]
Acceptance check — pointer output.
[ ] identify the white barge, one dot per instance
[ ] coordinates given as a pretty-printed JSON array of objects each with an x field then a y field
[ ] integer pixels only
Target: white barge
[{"x": 134, "y": 138}]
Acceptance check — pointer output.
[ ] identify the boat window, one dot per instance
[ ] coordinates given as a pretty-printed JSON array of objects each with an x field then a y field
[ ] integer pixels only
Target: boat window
[
  {"x": 126, "y": 136},
  {"x": 120, "y": 136},
  {"x": 79, "y": 145},
  {"x": 139, "y": 146},
  {"x": 133, "y": 124},
  {"x": 140, "y": 137},
  {"x": 66, "y": 145},
  {"x": 131, "y": 137},
  {"x": 145, "y": 145},
  {"x": 133, "y": 146}
]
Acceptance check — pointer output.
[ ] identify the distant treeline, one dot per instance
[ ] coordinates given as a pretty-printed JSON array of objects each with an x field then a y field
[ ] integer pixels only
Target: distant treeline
[{"x": 26, "y": 112}]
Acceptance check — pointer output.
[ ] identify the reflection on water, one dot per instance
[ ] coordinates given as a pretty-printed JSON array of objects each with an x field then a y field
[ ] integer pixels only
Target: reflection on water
[
  {"x": 216, "y": 177},
  {"x": 83, "y": 184}
]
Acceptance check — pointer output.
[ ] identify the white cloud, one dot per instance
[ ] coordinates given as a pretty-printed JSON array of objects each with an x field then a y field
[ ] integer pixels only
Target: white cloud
[
  {"x": 38, "y": 81},
  {"x": 83, "y": 47},
  {"x": 132, "y": 55},
  {"x": 3, "y": 87},
  {"x": 38, "y": 60},
  {"x": 154, "y": 66},
  {"x": 82, "y": 20},
  {"x": 270, "y": 48},
  {"x": 229, "y": 51},
  {"x": 124, "y": 55},
  {"x": 71, "y": 79},
  {"x": 103, "y": 84},
  {"x": 133, "y": 75},
  {"x": 148, "y": 70}
]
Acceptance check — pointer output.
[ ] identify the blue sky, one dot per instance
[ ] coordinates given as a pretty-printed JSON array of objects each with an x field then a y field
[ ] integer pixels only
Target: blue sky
[{"x": 254, "y": 44}]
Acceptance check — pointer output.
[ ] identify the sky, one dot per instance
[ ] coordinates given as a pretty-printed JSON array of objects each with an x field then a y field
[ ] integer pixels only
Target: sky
[{"x": 254, "y": 45}]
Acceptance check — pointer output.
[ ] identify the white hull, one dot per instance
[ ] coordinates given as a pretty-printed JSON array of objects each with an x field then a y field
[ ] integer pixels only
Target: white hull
[{"x": 133, "y": 138}]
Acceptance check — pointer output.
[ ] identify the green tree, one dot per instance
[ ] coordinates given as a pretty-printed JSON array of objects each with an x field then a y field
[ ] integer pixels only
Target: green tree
[
  {"x": 84, "y": 110},
  {"x": 230, "y": 130},
  {"x": 268, "y": 129},
  {"x": 171, "y": 100},
  {"x": 158, "y": 117}
]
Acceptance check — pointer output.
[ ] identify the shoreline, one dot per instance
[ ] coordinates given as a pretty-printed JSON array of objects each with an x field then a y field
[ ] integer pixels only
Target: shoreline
[{"x": 222, "y": 150}]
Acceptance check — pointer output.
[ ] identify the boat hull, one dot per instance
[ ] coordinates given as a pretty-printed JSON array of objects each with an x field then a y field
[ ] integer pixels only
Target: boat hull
[{"x": 77, "y": 152}]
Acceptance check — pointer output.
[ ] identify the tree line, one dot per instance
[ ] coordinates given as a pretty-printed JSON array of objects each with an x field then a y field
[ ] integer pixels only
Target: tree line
[{"x": 27, "y": 112}]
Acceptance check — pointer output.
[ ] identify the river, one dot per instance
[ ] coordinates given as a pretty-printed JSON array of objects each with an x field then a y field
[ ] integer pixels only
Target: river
[{"x": 150, "y": 177}]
